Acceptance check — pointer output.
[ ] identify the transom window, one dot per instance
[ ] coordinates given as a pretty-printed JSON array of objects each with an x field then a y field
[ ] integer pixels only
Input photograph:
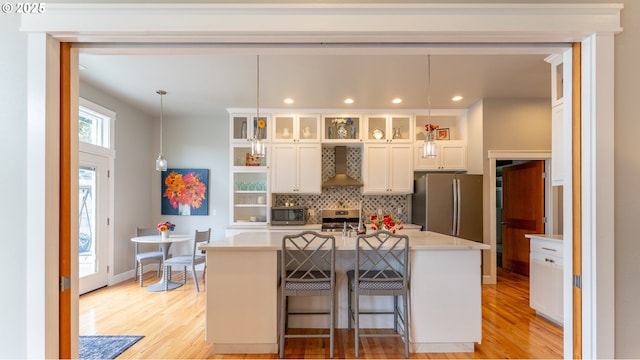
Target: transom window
[{"x": 95, "y": 124}]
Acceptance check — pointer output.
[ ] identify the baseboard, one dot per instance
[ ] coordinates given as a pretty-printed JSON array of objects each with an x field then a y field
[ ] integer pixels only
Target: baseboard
[
  {"x": 219, "y": 348},
  {"x": 487, "y": 279},
  {"x": 442, "y": 347}
]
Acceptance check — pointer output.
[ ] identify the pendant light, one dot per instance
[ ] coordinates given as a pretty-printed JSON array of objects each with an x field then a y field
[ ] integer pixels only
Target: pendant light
[
  {"x": 429, "y": 149},
  {"x": 257, "y": 144},
  {"x": 161, "y": 162}
]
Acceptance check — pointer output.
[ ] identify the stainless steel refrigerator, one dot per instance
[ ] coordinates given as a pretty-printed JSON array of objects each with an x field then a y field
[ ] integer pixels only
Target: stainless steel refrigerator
[{"x": 450, "y": 204}]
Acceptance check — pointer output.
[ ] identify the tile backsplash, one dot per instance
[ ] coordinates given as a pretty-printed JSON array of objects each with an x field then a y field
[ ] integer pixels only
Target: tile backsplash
[{"x": 346, "y": 197}]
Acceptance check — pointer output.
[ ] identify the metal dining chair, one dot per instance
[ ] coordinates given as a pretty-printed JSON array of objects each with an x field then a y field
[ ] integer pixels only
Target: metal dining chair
[
  {"x": 381, "y": 269},
  {"x": 145, "y": 257},
  {"x": 307, "y": 269},
  {"x": 195, "y": 258}
]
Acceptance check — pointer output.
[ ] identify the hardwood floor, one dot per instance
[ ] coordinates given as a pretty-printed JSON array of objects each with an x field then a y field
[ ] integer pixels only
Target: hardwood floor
[{"x": 173, "y": 326}]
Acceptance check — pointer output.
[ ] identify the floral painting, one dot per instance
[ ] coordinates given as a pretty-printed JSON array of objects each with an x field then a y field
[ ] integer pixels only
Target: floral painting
[{"x": 185, "y": 192}]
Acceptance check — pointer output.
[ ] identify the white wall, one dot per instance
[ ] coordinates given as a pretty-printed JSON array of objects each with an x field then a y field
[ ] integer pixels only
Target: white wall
[
  {"x": 13, "y": 139},
  {"x": 188, "y": 143},
  {"x": 134, "y": 164},
  {"x": 627, "y": 178},
  {"x": 196, "y": 143},
  {"x": 475, "y": 155}
]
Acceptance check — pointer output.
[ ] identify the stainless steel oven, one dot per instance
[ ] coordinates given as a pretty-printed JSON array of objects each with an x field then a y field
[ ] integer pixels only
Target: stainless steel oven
[
  {"x": 334, "y": 220},
  {"x": 287, "y": 215}
]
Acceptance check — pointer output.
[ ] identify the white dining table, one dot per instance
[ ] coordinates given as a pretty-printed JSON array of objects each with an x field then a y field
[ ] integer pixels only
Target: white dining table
[{"x": 165, "y": 243}]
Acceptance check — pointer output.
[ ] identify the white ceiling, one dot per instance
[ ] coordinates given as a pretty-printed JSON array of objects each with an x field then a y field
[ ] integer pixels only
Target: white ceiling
[{"x": 201, "y": 85}]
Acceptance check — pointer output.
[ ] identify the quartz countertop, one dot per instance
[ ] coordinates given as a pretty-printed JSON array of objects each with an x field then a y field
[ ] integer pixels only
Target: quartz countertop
[
  {"x": 553, "y": 237},
  {"x": 272, "y": 240}
]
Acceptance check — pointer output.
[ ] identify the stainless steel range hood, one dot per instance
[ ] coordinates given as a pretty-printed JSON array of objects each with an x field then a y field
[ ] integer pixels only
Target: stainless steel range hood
[{"x": 341, "y": 178}]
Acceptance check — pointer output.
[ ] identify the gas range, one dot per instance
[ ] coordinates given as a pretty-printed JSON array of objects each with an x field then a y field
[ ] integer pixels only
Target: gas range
[{"x": 334, "y": 220}]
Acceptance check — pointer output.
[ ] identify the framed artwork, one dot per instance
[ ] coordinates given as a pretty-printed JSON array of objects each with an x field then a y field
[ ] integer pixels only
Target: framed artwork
[
  {"x": 185, "y": 192},
  {"x": 442, "y": 134}
]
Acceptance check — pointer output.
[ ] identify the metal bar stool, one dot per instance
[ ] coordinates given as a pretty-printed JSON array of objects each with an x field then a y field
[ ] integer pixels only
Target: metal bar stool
[
  {"x": 307, "y": 269},
  {"x": 382, "y": 269}
]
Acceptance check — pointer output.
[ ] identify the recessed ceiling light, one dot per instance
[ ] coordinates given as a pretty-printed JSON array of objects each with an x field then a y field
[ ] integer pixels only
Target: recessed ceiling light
[
  {"x": 456, "y": 98},
  {"x": 348, "y": 101},
  {"x": 288, "y": 101},
  {"x": 396, "y": 101}
]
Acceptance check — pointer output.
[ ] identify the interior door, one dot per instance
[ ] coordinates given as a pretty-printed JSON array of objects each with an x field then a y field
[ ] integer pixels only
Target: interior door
[
  {"x": 93, "y": 208},
  {"x": 522, "y": 212}
]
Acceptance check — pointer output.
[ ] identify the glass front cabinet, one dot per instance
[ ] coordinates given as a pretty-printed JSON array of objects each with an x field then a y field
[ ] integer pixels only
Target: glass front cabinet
[
  {"x": 388, "y": 128},
  {"x": 249, "y": 202},
  {"x": 341, "y": 129}
]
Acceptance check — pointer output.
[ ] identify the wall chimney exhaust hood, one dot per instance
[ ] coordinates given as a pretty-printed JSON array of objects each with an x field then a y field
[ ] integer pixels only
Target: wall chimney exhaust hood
[{"x": 341, "y": 178}]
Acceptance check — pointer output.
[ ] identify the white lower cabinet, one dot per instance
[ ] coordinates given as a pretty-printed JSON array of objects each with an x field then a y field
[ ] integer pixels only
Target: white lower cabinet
[
  {"x": 387, "y": 169},
  {"x": 545, "y": 278},
  {"x": 297, "y": 168},
  {"x": 451, "y": 155}
]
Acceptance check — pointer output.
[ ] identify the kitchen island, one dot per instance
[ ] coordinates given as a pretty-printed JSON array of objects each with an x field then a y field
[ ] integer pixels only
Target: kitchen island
[{"x": 242, "y": 293}]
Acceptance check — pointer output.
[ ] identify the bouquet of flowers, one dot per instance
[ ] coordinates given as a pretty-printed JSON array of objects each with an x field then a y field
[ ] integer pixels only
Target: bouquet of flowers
[
  {"x": 338, "y": 121},
  {"x": 166, "y": 226},
  {"x": 386, "y": 222},
  {"x": 431, "y": 127}
]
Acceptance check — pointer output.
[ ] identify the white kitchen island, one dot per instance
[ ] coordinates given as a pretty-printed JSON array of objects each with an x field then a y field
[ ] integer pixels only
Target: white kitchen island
[{"x": 242, "y": 293}]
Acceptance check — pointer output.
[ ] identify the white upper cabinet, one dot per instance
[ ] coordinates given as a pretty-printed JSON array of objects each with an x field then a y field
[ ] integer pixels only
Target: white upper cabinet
[
  {"x": 451, "y": 148},
  {"x": 296, "y": 128},
  {"x": 296, "y": 154},
  {"x": 296, "y": 168},
  {"x": 387, "y": 168},
  {"x": 560, "y": 114},
  {"x": 451, "y": 155},
  {"x": 388, "y": 128}
]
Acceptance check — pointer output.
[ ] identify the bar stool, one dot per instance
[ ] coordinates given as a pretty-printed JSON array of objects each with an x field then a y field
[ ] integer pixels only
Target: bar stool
[
  {"x": 381, "y": 269},
  {"x": 307, "y": 269}
]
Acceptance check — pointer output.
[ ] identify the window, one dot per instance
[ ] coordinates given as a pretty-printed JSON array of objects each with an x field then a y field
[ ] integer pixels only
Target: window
[{"x": 95, "y": 124}]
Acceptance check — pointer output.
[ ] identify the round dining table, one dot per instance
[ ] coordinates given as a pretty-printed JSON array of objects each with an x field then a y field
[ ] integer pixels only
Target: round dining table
[{"x": 165, "y": 244}]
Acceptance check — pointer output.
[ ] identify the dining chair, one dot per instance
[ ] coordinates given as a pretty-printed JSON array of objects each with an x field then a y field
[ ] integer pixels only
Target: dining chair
[
  {"x": 381, "y": 269},
  {"x": 146, "y": 257},
  {"x": 195, "y": 258},
  {"x": 307, "y": 269}
]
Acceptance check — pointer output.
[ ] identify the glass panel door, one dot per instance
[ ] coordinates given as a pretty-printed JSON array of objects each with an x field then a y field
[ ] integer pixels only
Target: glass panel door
[{"x": 93, "y": 192}]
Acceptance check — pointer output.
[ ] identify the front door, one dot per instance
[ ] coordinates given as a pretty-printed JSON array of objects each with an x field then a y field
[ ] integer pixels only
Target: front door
[
  {"x": 522, "y": 213},
  {"x": 93, "y": 208}
]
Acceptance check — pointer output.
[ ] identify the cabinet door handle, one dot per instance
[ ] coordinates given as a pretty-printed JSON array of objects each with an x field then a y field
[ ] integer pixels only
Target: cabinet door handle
[{"x": 549, "y": 249}]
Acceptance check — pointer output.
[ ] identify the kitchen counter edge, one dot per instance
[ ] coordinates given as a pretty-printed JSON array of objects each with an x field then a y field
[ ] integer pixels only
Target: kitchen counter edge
[{"x": 272, "y": 240}]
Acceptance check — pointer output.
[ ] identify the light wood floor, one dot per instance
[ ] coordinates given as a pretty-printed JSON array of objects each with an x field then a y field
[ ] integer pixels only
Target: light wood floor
[{"x": 173, "y": 325}]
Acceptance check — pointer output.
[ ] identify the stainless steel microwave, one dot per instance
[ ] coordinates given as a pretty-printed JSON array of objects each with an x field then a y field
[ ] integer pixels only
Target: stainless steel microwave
[{"x": 287, "y": 215}]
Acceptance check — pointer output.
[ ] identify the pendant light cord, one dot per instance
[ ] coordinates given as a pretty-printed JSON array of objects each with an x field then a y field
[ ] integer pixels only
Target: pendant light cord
[
  {"x": 428, "y": 89},
  {"x": 161, "y": 122},
  {"x": 258, "y": 86}
]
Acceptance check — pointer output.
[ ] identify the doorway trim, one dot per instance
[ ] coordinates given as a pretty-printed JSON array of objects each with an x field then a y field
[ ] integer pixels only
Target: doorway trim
[
  {"x": 495, "y": 155},
  {"x": 488, "y": 27}
]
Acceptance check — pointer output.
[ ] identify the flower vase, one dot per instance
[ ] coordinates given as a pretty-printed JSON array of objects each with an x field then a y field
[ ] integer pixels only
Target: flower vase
[
  {"x": 164, "y": 234},
  {"x": 341, "y": 130},
  {"x": 184, "y": 209}
]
